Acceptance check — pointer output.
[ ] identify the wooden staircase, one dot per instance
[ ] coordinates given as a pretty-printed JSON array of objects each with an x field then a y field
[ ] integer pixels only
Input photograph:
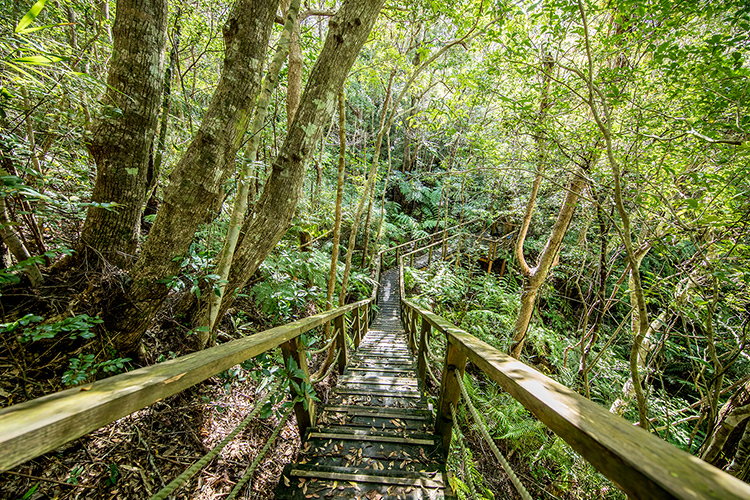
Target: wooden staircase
[{"x": 374, "y": 439}]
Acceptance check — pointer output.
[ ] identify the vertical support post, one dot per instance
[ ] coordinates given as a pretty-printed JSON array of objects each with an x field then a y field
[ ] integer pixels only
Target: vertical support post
[
  {"x": 429, "y": 257},
  {"x": 424, "y": 337},
  {"x": 450, "y": 391},
  {"x": 398, "y": 254},
  {"x": 357, "y": 327},
  {"x": 305, "y": 417},
  {"x": 340, "y": 328},
  {"x": 413, "y": 330}
]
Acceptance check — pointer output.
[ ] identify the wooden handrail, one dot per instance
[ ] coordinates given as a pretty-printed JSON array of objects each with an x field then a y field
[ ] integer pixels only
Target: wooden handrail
[
  {"x": 642, "y": 465},
  {"x": 30, "y": 429},
  {"x": 433, "y": 235}
]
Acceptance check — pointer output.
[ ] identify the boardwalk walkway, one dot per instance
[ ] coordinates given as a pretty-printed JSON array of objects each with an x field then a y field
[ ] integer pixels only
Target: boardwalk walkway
[{"x": 374, "y": 438}]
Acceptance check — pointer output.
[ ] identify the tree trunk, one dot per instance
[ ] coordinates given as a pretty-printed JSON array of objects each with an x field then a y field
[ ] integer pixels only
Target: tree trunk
[
  {"x": 538, "y": 274},
  {"x": 734, "y": 412},
  {"x": 122, "y": 137},
  {"x": 10, "y": 238},
  {"x": 741, "y": 462},
  {"x": 330, "y": 356},
  {"x": 348, "y": 31},
  {"x": 161, "y": 143},
  {"x": 198, "y": 177},
  {"x": 245, "y": 177}
]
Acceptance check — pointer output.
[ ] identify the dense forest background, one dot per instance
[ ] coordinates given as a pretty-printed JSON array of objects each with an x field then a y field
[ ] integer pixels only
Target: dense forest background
[{"x": 177, "y": 174}]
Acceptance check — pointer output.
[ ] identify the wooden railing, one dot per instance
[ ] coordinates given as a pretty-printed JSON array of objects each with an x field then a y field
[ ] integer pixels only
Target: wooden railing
[
  {"x": 30, "y": 429},
  {"x": 35, "y": 427},
  {"x": 639, "y": 463}
]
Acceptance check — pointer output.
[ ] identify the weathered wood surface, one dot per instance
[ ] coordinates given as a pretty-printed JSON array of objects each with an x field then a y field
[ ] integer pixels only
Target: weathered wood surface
[
  {"x": 30, "y": 429},
  {"x": 294, "y": 351},
  {"x": 641, "y": 464}
]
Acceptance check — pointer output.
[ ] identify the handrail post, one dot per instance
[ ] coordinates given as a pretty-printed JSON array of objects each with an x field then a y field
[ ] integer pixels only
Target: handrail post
[
  {"x": 424, "y": 336},
  {"x": 340, "y": 328},
  {"x": 357, "y": 327},
  {"x": 305, "y": 417},
  {"x": 450, "y": 391},
  {"x": 413, "y": 331}
]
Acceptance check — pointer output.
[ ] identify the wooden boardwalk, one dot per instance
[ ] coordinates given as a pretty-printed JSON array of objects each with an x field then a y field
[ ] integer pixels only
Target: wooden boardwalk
[{"x": 374, "y": 438}]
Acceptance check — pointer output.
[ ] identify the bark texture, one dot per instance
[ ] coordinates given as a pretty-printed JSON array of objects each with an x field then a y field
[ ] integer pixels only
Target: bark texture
[
  {"x": 197, "y": 178},
  {"x": 122, "y": 137},
  {"x": 348, "y": 31},
  {"x": 245, "y": 176},
  {"x": 731, "y": 416}
]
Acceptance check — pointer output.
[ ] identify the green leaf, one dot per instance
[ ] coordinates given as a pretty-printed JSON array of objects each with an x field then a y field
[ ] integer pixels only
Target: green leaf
[{"x": 30, "y": 15}]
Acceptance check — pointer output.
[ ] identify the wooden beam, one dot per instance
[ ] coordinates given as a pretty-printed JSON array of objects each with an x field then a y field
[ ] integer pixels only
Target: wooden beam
[
  {"x": 424, "y": 337},
  {"x": 30, "y": 429},
  {"x": 641, "y": 464},
  {"x": 357, "y": 328},
  {"x": 294, "y": 350},
  {"x": 450, "y": 392},
  {"x": 340, "y": 332}
]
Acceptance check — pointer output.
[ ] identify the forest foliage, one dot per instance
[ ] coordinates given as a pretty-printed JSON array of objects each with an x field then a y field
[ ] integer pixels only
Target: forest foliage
[{"x": 640, "y": 109}]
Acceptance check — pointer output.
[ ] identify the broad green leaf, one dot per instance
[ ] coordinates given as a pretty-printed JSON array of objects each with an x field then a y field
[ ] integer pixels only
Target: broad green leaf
[
  {"x": 30, "y": 15},
  {"x": 39, "y": 59}
]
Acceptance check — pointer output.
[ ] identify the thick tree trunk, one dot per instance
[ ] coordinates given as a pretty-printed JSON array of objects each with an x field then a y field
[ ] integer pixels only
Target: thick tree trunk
[
  {"x": 348, "y": 31},
  {"x": 122, "y": 137},
  {"x": 197, "y": 178},
  {"x": 732, "y": 414},
  {"x": 741, "y": 462}
]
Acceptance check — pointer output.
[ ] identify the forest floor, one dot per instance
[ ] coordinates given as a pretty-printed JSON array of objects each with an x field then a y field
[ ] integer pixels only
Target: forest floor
[{"x": 136, "y": 455}]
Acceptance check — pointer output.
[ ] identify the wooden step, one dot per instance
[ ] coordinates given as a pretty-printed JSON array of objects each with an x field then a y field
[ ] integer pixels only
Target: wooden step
[
  {"x": 385, "y": 393},
  {"x": 302, "y": 481},
  {"x": 372, "y": 411}
]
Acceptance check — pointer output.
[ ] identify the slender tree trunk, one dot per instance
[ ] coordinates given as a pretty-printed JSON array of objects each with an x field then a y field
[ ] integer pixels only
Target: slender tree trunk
[
  {"x": 547, "y": 258},
  {"x": 367, "y": 226},
  {"x": 13, "y": 242},
  {"x": 245, "y": 178},
  {"x": 330, "y": 357},
  {"x": 161, "y": 143},
  {"x": 197, "y": 179},
  {"x": 121, "y": 139}
]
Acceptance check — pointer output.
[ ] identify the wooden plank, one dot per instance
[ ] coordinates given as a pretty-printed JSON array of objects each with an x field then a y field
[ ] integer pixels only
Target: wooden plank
[
  {"x": 294, "y": 350},
  {"x": 641, "y": 464},
  {"x": 367, "y": 392},
  {"x": 30, "y": 429},
  {"x": 376, "y": 412},
  {"x": 370, "y": 438},
  {"x": 450, "y": 392},
  {"x": 420, "y": 482}
]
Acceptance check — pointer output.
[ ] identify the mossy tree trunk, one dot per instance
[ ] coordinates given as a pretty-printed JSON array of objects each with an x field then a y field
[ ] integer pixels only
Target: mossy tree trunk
[
  {"x": 121, "y": 138},
  {"x": 348, "y": 31},
  {"x": 197, "y": 179}
]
